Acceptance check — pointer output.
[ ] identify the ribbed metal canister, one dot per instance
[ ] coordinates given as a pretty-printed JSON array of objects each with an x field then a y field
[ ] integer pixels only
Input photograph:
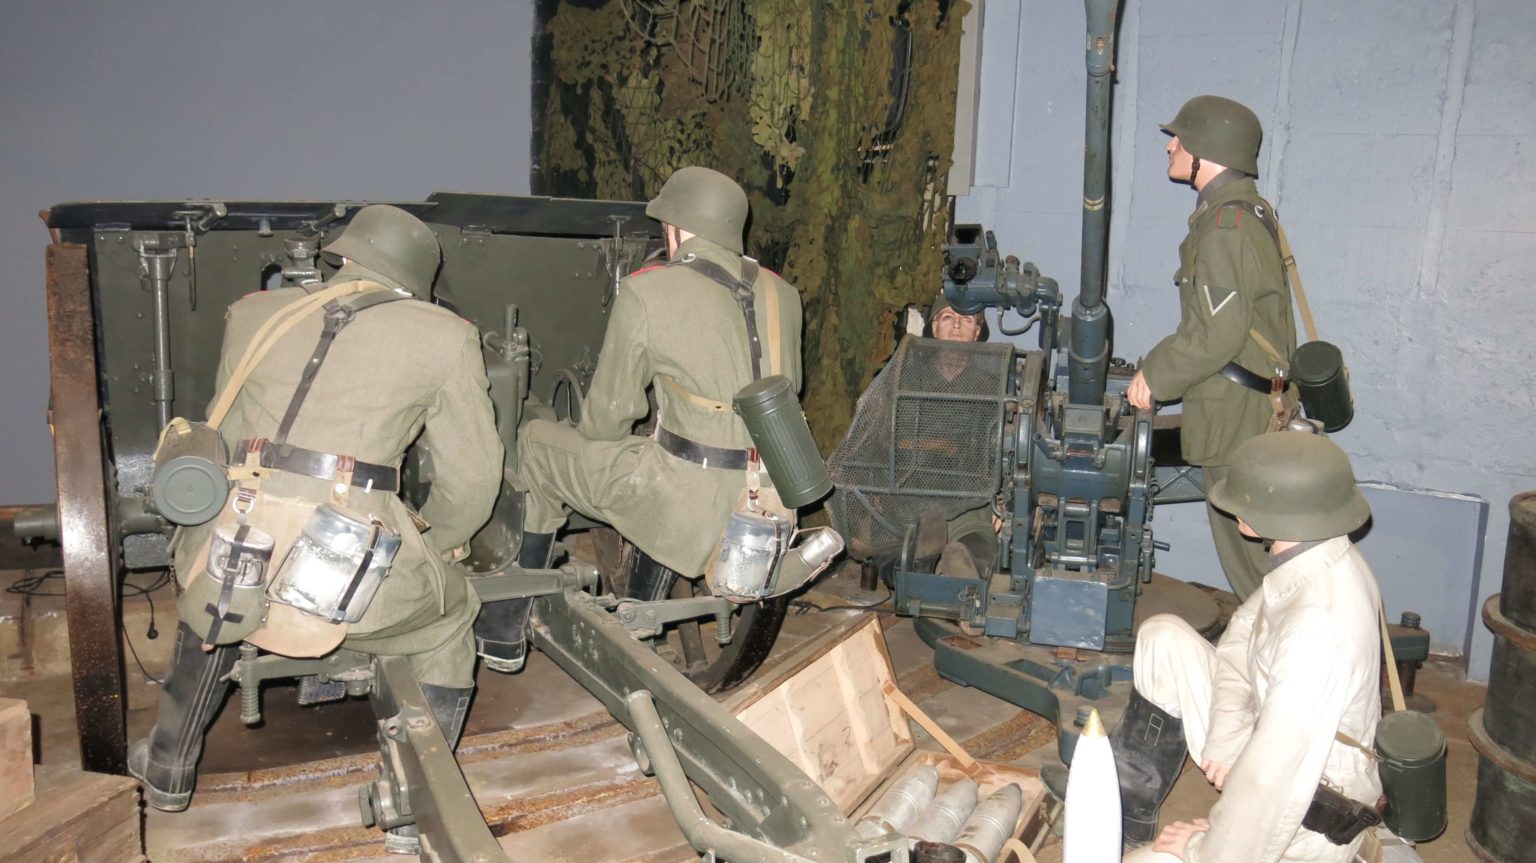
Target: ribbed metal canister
[{"x": 1503, "y": 826}]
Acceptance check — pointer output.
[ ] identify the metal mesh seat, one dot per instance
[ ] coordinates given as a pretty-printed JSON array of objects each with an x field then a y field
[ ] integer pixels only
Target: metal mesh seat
[{"x": 926, "y": 435}]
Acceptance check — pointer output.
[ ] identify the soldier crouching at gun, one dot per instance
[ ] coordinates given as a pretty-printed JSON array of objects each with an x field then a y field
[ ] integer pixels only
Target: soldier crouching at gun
[
  {"x": 322, "y": 388},
  {"x": 705, "y": 329},
  {"x": 1281, "y": 714}
]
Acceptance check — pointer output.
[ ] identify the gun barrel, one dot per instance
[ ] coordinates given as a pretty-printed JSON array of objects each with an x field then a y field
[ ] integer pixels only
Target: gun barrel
[{"x": 1089, "y": 350}]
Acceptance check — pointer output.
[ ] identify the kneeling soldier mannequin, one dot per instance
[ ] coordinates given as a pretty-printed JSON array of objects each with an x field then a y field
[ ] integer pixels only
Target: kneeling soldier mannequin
[
  {"x": 1289, "y": 697},
  {"x": 693, "y": 331},
  {"x": 398, "y": 369}
]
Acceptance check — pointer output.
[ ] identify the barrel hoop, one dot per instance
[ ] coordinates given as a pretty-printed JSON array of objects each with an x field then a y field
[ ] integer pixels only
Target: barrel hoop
[
  {"x": 1502, "y": 758},
  {"x": 1505, "y": 628},
  {"x": 1479, "y": 851}
]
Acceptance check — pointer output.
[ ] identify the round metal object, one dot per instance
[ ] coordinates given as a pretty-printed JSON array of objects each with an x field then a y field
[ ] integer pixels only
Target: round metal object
[
  {"x": 190, "y": 490},
  {"x": 1519, "y": 587},
  {"x": 1503, "y": 824}
]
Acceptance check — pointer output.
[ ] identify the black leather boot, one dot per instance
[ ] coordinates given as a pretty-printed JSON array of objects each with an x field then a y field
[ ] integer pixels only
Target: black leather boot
[
  {"x": 166, "y": 761},
  {"x": 648, "y": 580},
  {"x": 1149, "y": 754},
  {"x": 449, "y": 706},
  {"x": 501, "y": 630}
]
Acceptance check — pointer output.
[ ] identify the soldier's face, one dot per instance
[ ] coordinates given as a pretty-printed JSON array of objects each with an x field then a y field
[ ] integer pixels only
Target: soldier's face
[
  {"x": 1180, "y": 161},
  {"x": 951, "y": 326},
  {"x": 1246, "y": 529}
]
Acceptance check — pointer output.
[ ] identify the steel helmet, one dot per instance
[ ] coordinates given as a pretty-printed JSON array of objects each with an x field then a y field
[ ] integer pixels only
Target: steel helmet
[
  {"x": 1292, "y": 486},
  {"x": 704, "y": 203},
  {"x": 1220, "y": 130},
  {"x": 392, "y": 243}
]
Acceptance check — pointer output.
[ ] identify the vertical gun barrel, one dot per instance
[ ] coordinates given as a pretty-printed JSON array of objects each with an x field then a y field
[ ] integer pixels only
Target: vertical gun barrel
[{"x": 1089, "y": 350}]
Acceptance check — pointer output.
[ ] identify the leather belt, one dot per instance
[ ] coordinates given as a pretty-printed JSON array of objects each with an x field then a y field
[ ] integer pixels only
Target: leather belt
[
  {"x": 1245, "y": 378},
  {"x": 323, "y": 465},
  {"x": 701, "y": 453}
]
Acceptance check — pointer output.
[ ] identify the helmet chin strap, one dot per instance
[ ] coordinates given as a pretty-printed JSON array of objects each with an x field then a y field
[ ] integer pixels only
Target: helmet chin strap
[{"x": 1194, "y": 170}]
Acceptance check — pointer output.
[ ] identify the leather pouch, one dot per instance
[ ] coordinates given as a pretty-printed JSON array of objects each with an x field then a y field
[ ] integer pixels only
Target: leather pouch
[{"x": 1337, "y": 817}]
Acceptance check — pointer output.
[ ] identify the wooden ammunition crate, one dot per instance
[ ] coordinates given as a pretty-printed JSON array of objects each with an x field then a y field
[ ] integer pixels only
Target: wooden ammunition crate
[
  {"x": 15, "y": 756},
  {"x": 78, "y": 817},
  {"x": 836, "y": 712}
]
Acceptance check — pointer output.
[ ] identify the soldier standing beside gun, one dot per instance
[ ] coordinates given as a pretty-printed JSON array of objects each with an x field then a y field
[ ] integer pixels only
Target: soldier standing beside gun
[
  {"x": 694, "y": 331},
  {"x": 1236, "y": 333},
  {"x": 330, "y": 427},
  {"x": 1282, "y": 713}
]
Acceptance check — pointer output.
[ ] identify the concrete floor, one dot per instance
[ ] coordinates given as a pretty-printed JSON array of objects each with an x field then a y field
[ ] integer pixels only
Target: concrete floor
[{"x": 34, "y": 644}]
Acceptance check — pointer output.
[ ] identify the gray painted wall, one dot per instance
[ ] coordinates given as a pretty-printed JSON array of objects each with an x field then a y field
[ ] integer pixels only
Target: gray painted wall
[
  {"x": 1401, "y": 154},
  {"x": 348, "y": 99}
]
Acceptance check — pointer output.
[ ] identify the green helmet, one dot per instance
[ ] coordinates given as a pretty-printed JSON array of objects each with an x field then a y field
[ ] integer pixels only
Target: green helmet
[
  {"x": 704, "y": 203},
  {"x": 1292, "y": 486},
  {"x": 392, "y": 243},
  {"x": 1220, "y": 130}
]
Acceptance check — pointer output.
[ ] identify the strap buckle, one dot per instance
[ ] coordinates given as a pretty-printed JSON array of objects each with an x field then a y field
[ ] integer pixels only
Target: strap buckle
[{"x": 337, "y": 316}]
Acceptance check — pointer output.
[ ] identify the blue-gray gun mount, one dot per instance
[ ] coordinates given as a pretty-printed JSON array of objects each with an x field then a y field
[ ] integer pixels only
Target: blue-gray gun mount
[{"x": 1044, "y": 616}]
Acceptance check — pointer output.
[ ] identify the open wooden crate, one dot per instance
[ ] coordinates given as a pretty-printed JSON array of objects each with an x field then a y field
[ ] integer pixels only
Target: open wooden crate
[{"x": 837, "y": 713}]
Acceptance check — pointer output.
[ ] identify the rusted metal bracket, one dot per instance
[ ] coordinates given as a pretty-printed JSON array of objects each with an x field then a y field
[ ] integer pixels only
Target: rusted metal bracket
[{"x": 89, "y": 544}]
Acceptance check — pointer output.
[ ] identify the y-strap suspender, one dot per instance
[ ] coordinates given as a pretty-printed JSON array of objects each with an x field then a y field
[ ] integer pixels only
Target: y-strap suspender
[
  {"x": 741, "y": 291},
  {"x": 338, "y": 313}
]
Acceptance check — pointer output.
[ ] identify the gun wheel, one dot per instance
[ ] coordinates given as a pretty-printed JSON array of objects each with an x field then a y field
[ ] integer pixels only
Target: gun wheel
[{"x": 692, "y": 645}]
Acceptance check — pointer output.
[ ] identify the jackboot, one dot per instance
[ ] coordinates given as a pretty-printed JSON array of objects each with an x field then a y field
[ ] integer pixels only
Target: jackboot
[
  {"x": 166, "y": 761},
  {"x": 648, "y": 580},
  {"x": 450, "y": 706},
  {"x": 501, "y": 630},
  {"x": 1149, "y": 753}
]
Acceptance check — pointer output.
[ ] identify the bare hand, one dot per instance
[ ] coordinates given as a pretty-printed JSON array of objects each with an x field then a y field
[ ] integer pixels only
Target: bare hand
[
  {"x": 1175, "y": 837},
  {"x": 1215, "y": 772},
  {"x": 1139, "y": 394},
  {"x": 997, "y": 524}
]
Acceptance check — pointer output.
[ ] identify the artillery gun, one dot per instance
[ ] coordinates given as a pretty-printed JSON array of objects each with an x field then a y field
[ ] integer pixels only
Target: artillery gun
[
  {"x": 136, "y": 298},
  {"x": 1048, "y": 440}
]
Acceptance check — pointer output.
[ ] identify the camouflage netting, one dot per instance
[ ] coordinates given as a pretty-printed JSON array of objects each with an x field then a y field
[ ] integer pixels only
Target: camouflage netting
[{"x": 836, "y": 117}]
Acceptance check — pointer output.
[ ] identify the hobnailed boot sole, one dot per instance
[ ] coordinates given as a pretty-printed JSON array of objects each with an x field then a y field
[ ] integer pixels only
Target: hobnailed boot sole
[{"x": 138, "y": 768}]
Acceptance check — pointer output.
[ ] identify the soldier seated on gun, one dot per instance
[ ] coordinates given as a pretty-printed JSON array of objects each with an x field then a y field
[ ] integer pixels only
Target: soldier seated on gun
[
  {"x": 693, "y": 332},
  {"x": 320, "y": 422},
  {"x": 1281, "y": 713},
  {"x": 970, "y": 538}
]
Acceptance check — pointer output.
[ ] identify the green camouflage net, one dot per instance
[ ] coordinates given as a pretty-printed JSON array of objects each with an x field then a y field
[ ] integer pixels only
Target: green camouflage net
[{"x": 837, "y": 118}]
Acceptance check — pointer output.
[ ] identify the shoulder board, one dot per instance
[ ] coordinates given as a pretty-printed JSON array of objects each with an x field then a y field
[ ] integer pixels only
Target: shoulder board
[
  {"x": 647, "y": 269},
  {"x": 1230, "y": 215}
]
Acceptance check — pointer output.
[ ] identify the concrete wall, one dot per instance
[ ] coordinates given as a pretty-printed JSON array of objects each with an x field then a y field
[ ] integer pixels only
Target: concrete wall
[
  {"x": 378, "y": 99},
  {"x": 1401, "y": 154}
]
